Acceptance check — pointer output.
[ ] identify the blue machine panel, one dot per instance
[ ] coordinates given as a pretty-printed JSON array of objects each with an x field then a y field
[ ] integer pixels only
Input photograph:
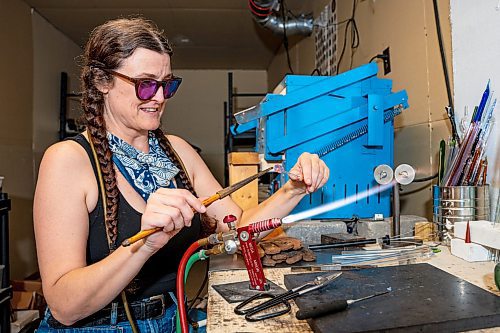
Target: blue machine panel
[{"x": 346, "y": 119}]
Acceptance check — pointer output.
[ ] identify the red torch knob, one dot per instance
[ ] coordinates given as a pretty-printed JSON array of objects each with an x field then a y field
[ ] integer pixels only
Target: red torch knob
[{"x": 230, "y": 220}]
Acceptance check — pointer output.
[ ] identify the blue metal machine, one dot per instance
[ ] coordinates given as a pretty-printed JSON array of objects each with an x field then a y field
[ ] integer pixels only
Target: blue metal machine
[{"x": 346, "y": 119}]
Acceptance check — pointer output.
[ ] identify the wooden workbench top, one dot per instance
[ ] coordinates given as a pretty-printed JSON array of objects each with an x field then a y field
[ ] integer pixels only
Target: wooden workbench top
[{"x": 221, "y": 316}]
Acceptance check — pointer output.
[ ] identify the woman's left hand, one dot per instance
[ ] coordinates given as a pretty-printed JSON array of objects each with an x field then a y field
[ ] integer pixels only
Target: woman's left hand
[{"x": 309, "y": 173}]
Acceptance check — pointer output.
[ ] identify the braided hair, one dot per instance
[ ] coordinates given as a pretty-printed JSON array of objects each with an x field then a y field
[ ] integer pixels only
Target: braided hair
[{"x": 108, "y": 46}]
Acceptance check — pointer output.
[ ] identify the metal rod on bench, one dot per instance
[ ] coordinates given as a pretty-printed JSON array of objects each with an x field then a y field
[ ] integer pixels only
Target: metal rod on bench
[{"x": 396, "y": 221}]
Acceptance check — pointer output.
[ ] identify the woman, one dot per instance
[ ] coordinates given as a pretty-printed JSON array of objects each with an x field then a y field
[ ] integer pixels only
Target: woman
[{"x": 142, "y": 179}]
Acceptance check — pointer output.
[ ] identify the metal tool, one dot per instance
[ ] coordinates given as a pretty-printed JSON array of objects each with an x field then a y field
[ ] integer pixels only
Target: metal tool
[
  {"x": 379, "y": 257},
  {"x": 281, "y": 299},
  {"x": 342, "y": 244},
  {"x": 331, "y": 307},
  {"x": 217, "y": 196},
  {"x": 246, "y": 237},
  {"x": 328, "y": 267}
]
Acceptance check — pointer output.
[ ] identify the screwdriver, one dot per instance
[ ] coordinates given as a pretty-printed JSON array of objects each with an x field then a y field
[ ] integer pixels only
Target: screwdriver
[{"x": 330, "y": 307}]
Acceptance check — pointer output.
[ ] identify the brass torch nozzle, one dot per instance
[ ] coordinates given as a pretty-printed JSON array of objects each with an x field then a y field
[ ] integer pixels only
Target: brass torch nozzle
[{"x": 215, "y": 250}]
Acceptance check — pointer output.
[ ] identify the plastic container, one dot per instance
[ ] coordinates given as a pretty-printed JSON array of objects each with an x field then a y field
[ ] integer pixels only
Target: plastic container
[{"x": 459, "y": 204}]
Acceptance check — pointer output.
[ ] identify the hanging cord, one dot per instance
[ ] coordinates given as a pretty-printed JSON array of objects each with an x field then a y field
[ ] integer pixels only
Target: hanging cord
[
  {"x": 378, "y": 56},
  {"x": 203, "y": 284},
  {"x": 445, "y": 72},
  {"x": 351, "y": 22},
  {"x": 316, "y": 71},
  {"x": 103, "y": 198},
  {"x": 424, "y": 179},
  {"x": 285, "y": 37}
]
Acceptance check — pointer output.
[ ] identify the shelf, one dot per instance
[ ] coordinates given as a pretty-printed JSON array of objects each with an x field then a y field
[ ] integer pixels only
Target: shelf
[{"x": 5, "y": 294}]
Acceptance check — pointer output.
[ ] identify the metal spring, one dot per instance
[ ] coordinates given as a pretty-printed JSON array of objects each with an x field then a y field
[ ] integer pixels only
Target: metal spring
[
  {"x": 265, "y": 224},
  {"x": 388, "y": 116}
]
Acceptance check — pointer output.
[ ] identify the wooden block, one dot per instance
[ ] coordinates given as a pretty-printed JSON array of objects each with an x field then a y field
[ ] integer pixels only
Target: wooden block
[
  {"x": 241, "y": 166},
  {"x": 425, "y": 231},
  {"x": 243, "y": 158},
  {"x": 276, "y": 233}
]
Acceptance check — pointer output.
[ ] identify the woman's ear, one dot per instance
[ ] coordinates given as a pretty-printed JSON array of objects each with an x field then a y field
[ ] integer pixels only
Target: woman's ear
[{"x": 103, "y": 88}]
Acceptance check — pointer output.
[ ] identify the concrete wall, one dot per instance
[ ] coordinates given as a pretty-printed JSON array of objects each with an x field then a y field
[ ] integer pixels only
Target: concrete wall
[
  {"x": 196, "y": 113},
  {"x": 408, "y": 28}
]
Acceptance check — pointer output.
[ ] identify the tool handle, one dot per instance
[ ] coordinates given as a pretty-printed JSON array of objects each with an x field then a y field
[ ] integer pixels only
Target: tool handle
[
  {"x": 322, "y": 309},
  {"x": 140, "y": 235},
  {"x": 208, "y": 201}
]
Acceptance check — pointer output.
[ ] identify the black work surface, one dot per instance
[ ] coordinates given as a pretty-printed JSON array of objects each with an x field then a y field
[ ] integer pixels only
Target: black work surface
[
  {"x": 239, "y": 291},
  {"x": 423, "y": 299}
]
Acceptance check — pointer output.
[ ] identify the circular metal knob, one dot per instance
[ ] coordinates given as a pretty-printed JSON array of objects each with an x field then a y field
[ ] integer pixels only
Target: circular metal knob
[
  {"x": 383, "y": 174},
  {"x": 404, "y": 174},
  {"x": 230, "y": 246}
]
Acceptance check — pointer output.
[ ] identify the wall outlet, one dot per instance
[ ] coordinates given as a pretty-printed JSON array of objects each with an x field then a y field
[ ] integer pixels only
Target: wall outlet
[{"x": 387, "y": 61}]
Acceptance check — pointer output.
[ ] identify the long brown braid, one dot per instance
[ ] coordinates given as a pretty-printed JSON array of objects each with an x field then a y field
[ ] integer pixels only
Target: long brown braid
[
  {"x": 92, "y": 99},
  {"x": 108, "y": 46},
  {"x": 208, "y": 224}
]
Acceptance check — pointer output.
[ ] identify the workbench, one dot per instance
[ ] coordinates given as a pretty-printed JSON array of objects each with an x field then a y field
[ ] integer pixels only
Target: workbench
[{"x": 227, "y": 269}]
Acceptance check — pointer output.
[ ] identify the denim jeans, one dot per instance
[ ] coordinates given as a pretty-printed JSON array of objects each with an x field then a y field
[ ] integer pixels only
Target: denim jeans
[{"x": 161, "y": 324}]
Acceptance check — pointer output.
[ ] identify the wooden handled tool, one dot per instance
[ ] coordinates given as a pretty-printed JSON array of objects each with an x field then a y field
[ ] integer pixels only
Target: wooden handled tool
[{"x": 207, "y": 202}]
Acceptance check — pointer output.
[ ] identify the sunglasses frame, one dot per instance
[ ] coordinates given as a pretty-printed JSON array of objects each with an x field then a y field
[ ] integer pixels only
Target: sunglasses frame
[{"x": 137, "y": 82}]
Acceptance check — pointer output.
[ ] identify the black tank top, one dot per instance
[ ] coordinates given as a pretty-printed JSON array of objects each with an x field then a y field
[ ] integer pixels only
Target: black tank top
[{"x": 158, "y": 274}]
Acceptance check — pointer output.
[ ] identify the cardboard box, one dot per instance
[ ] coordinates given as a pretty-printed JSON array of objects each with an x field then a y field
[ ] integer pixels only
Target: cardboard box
[
  {"x": 27, "y": 295},
  {"x": 23, "y": 319},
  {"x": 27, "y": 285}
]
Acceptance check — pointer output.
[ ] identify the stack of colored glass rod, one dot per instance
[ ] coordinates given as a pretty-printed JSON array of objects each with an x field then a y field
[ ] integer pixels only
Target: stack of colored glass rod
[{"x": 467, "y": 164}]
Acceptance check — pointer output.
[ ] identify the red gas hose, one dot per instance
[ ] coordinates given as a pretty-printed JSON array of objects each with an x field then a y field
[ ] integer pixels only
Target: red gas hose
[{"x": 180, "y": 283}]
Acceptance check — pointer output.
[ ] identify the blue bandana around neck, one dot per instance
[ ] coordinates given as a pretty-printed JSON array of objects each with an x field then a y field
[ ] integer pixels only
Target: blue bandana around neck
[{"x": 146, "y": 172}]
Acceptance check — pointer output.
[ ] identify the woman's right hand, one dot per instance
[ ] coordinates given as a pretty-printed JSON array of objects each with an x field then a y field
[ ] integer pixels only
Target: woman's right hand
[{"x": 171, "y": 210}]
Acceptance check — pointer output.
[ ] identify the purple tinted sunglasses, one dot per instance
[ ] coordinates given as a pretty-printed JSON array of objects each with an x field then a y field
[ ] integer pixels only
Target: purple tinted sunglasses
[{"x": 146, "y": 88}]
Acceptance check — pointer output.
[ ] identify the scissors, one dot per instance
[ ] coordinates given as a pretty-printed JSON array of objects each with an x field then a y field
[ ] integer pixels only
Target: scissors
[{"x": 281, "y": 299}]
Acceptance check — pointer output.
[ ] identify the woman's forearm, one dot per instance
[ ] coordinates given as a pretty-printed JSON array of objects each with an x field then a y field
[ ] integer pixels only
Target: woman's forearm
[{"x": 280, "y": 204}]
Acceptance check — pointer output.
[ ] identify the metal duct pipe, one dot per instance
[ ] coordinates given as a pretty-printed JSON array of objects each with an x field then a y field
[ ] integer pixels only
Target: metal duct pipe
[{"x": 262, "y": 11}]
